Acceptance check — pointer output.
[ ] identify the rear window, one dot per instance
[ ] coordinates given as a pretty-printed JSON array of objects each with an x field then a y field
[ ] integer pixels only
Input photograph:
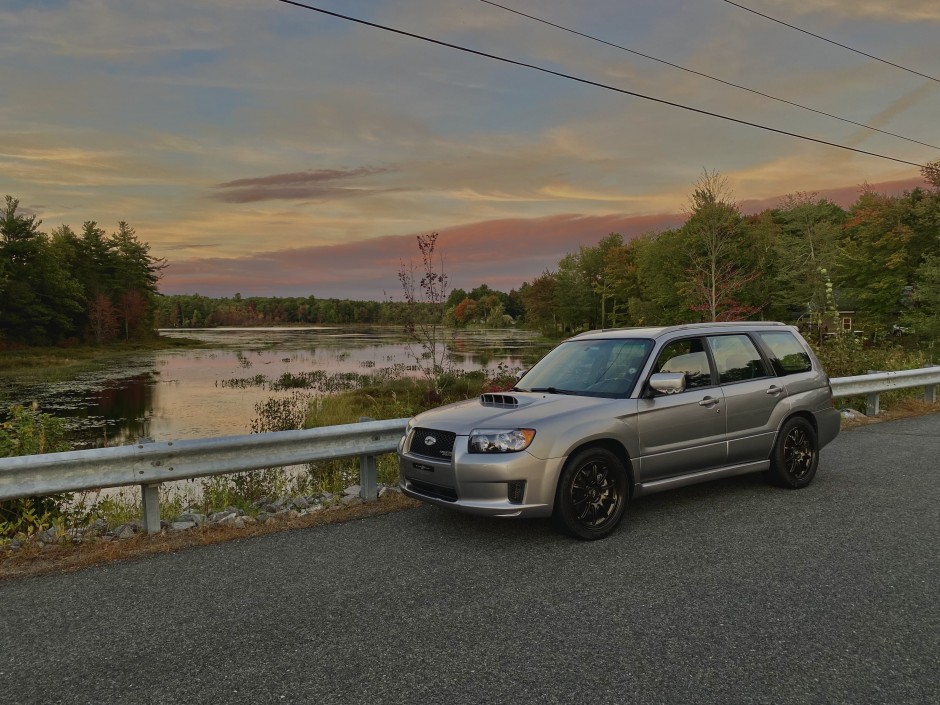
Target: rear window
[{"x": 789, "y": 355}]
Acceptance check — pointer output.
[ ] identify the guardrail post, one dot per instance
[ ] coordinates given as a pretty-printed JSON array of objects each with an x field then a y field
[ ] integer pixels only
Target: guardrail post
[
  {"x": 368, "y": 478},
  {"x": 150, "y": 499},
  {"x": 872, "y": 402},
  {"x": 930, "y": 390},
  {"x": 368, "y": 473}
]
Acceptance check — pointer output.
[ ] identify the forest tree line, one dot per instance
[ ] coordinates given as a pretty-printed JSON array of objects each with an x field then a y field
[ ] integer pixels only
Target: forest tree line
[{"x": 804, "y": 261}]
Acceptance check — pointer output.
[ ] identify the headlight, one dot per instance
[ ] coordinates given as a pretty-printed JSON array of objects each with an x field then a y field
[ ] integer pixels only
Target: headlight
[{"x": 488, "y": 440}]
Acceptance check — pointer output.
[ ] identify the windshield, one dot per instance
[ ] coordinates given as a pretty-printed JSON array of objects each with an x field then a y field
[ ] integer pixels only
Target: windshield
[{"x": 602, "y": 368}]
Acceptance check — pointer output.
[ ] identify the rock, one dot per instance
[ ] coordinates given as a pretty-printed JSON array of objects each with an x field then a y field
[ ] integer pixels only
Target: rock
[
  {"x": 225, "y": 515},
  {"x": 183, "y": 525},
  {"x": 851, "y": 414},
  {"x": 352, "y": 491},
  {"x": 263, "y": 518},
  {"x": 238, "y": 522},
  {"x": 125, "y": 531},
  {"x": 326, "y": 496},
  {"x": 194, "y": 517},
  {"x": 300, "y": 503},
  {"x": 50, "y": 535},
  {"x": 349, "y": 500}
]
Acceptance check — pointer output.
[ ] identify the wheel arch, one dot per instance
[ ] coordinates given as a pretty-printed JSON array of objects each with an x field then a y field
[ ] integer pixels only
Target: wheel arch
[
  {"x": 609, "y": 444},
  {"x": 803, "y": 414}
]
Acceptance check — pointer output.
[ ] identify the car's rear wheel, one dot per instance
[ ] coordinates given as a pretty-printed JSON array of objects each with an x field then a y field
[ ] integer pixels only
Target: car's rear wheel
[
  {"x": 592, "y": 494},
  {"x": 795, "y": 456}
]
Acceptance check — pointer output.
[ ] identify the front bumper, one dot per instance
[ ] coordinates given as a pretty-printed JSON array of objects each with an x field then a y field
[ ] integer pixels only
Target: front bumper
[{"x": 481, "y": 483}]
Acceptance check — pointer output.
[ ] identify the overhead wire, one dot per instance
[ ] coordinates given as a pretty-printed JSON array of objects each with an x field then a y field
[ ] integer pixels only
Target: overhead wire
[
  {"x": 705, "y": 75},
  {"x": 832, "y": 41},
  {"x": 591, "y": 83}
]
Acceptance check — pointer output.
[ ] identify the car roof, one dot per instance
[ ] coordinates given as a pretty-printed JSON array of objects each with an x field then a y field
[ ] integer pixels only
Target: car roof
[{"x": 660, "y": 331}]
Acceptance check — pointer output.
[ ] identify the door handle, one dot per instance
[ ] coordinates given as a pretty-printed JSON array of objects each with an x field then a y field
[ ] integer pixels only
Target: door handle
[
  {"x": 709, "y": 402},
  {"x": 774, "y": 390}
]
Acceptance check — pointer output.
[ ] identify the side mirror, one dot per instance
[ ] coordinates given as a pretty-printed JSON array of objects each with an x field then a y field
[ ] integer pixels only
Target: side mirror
[{"x": 668, "y": 382}]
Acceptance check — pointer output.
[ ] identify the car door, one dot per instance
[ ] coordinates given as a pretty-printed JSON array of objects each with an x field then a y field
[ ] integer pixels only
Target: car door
[
  {"x": 684, "y": 432},
  {"x": 751, "y": 395}
]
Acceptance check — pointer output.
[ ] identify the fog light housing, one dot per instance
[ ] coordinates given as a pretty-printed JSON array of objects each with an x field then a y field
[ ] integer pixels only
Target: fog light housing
[{"x": 516, "y": 491}]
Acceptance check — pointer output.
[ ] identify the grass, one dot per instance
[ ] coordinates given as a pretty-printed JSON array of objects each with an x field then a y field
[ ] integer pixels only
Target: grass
[{"x": 46, "y": 365}]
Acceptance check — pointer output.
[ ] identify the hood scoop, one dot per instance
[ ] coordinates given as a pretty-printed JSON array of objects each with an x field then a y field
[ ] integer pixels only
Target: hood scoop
[{"x": 504, "y": 401}]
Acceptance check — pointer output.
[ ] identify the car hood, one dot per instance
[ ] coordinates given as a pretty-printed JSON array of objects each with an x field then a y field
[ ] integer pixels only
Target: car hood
[{"x": 508, "y": 409}]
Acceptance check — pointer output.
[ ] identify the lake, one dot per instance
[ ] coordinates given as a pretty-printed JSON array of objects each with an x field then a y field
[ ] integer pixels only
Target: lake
[{"x": 212, "y": 391}]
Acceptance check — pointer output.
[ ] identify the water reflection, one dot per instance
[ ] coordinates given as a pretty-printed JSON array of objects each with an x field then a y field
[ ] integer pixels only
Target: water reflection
[{"x": 185, "y": 393}]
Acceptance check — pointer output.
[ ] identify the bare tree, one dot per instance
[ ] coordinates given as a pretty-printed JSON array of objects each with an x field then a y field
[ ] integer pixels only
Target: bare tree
[{"x": 425, "y": 293}]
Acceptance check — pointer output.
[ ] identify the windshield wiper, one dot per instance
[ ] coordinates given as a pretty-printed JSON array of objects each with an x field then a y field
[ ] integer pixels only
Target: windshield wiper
[{"x": 553, "y": 390}]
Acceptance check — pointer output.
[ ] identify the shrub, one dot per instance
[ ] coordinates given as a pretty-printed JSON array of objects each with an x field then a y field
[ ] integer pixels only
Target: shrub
[{"x": 28, "y": 432}]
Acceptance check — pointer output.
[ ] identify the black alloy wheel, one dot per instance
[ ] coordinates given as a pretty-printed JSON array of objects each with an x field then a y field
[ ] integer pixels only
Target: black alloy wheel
[
  {"x": 795, "y": 456},
  {"x": 592, "y": 494}
]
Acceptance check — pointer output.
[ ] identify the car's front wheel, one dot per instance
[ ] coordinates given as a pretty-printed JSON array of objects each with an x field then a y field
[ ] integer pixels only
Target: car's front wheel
[
  {"x": 592, "y": 494},
  {"x": 795, "y": 456}
]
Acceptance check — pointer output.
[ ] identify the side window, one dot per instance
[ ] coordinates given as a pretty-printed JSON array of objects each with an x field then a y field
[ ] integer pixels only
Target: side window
[
  {"x": 789, "y": 355},
  {"x": 686, "y": 356},
  {"x": 736, "y": 358}
]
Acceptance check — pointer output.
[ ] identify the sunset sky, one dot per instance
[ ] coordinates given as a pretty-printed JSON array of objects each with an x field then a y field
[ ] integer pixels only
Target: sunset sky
[{"x": 265, "y": 149}]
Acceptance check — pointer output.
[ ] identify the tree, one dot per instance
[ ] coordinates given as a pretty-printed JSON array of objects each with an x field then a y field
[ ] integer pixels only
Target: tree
[
  {"x": 102, "y": 319},
  {"x": 425, "y": 299},
  {"x": 40, "y": 299},
  {"x": 931, "y": 173},
  {"x": 132, "y": 310},
  {"x": 661, "y": 270},
  {"x": 875, "y": 264},
  {"x": 719, "y": 268},
  {"x": 539, "y": 301},
  {"x": 466, "y": 311},
  {"x": 807, "y": 233}
]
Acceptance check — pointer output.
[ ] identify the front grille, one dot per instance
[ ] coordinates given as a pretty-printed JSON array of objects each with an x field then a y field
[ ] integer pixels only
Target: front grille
[
  {"x": 516, "y": 491},
  {"x": 429, "y": 443},
  {"x": 433, "y": 491}
]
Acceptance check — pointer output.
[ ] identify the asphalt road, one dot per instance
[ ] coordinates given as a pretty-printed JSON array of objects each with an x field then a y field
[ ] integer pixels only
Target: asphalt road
[{"x": 732, "y": 592}]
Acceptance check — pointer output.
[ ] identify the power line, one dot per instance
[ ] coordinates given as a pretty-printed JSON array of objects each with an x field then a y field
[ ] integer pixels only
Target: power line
[
  {"x": 831, "y": 41},
  {"x": 705, "y": 75},
  {"x": 591, "y": 83}
]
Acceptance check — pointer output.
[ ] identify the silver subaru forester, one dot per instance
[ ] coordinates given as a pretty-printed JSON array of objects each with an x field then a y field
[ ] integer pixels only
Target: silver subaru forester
[{"x": 615, "y": 414}]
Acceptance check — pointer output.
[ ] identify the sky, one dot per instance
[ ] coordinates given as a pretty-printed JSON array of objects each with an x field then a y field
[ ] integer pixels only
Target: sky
[{"x": 265, "y": 149}]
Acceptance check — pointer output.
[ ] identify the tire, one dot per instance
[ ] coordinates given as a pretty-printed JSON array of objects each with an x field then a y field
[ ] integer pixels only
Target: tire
[
  {"x": 795, "y": 456},
  {"x": 592, "y": 494}
]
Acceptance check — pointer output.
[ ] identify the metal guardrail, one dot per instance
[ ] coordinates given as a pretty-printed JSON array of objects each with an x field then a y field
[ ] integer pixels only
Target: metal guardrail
[
  {"x": 874, "y": 383},
  {"x": 149, "y": 464}
]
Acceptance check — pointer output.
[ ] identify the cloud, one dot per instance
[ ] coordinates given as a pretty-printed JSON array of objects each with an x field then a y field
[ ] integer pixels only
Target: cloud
[
  {"x": 896, "y": 10},
  {"x": 299, "y": 185}
]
